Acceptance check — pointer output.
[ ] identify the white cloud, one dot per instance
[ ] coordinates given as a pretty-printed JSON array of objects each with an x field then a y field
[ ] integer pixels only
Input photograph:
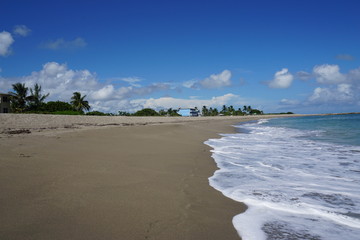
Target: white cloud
[
  {"x": 342, "y": 93},
  {"x": 5, "y": 43},
  {"x": 170, "y": 102},
  {"x": 328, "y": 74},
  {"x": 285, "y": 101},
  {"x": 106, "y": 92},
  {"x": 341, "y": 97},
  {"x": 133, "y": 81},
  {"x": 321, "y": 95},
  {"x": 222, "y": 79},
  {"x": 21, "y": 30},
  {"x": 194, "y": 97},
  {"x": 282, "y": 79},
  {"x": 60, "y": 81},
  {"x": 190, "y": 84},
  {"x": 354, "y": 76},
  {"x": 63, "y": 44},
  {"x": 113, "y": 106},
  {"x": 346, "y": 92},
  {"x": 217, "y": 80}
]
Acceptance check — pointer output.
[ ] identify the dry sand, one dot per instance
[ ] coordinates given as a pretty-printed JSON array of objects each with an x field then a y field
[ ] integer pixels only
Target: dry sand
[{"x": 134, "y": 179}]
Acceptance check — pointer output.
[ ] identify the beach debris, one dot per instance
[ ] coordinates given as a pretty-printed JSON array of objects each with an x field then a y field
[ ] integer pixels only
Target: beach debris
[
  {"x": 21, "y": 155},
  {"x": 17, "y": 131}
]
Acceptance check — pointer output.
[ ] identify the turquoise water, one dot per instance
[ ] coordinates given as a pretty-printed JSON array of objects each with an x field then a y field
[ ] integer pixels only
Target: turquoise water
[
  {"x": 341, "y": 129},
  {"x": 299, "y": 177}
]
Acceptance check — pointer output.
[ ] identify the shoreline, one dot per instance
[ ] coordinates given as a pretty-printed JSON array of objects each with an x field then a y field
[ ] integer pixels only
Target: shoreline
[
  {"x": 43, "y": 123},
  {"x": 145, "y": 178}
]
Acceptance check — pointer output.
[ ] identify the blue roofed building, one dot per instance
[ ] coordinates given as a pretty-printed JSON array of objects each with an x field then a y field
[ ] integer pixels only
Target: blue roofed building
[{"x": 189, "y": 112}]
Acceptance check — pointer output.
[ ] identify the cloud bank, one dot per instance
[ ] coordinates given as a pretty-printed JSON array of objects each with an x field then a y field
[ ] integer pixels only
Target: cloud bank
[
  {"x": 169, "y": 102},
  {"x": 342, "y": 89}
]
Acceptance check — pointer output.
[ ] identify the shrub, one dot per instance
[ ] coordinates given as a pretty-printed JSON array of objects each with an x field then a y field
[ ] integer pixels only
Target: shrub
[
  {"x": 146, "y": 112},
  {"x": 71, "y": 112},
  {"x": 57, "y": 106},
  {"x": 97, "y": 113}
]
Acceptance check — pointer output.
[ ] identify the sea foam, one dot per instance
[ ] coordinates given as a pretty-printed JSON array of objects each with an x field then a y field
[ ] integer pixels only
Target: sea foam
[{"x": 295, "y": 187}]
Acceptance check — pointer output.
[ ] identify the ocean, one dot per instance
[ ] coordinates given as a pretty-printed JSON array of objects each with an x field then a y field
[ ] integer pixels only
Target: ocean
[{"x": 299, "y": 177}]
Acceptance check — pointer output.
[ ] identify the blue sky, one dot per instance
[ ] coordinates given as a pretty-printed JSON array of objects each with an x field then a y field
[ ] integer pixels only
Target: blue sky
[{"x": 299, "y": 56}]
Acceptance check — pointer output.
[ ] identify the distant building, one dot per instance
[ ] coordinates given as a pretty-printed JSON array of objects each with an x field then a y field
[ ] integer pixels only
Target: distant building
[
  {"x": 188, "y": 112},
  {"x": 4, "y": 103}
]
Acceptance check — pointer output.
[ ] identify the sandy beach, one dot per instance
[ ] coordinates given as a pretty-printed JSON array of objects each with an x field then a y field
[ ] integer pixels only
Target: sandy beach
[{"x": 83, "y": 177}]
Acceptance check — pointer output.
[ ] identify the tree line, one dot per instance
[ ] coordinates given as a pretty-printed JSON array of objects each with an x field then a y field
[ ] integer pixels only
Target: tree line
[
  {"x": 225, "y": 111},
  {"x": 230, "y": 111},
  {"x": 151, "y": 112},
  {"x": 25, "y": 100}
]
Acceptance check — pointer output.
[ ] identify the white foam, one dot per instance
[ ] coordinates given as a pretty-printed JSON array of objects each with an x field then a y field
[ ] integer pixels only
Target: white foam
[{"x": 293, "y": 186}]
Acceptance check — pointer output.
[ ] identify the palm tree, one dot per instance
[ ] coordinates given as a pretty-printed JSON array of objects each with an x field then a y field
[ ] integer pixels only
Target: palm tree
[
  {"x": 249, "y": 109},
  {"x": 79, "y": 103},
  {"x": 205, "y": 111},
  {"x": 19, "y": 97},
  {"x": 245, "y": 109},
  {"x": 231, "y": 110},
  {"x": 36, "y": 98},
  {"x": 224, "y": 109}
]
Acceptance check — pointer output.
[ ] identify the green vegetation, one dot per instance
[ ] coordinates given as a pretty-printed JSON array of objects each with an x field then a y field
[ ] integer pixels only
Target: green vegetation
[
  {"x": 146, "y": 112},
  {"x": 36, "y": 101},
  {"x": 209, "y": 112},
  {"x": 225, "y": 111},
  {"x": 58, "y": 106},
  {"x": 279, "y": 113},
  {"x": 170, "y": 112},
  {"x": 97, "y": 113},
  {"x": 230, "y": 111},
  {"x": 123, "y": 113},
  {"x": 65, "y": 113},
  {"x": 23, "y": 102},
  {"x": 19, "y": 98},
  {"x": 79, "y": 103}
]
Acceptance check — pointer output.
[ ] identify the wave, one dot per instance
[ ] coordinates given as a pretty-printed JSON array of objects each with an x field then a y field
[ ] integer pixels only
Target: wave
[{"x": 295, "y": 187}]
